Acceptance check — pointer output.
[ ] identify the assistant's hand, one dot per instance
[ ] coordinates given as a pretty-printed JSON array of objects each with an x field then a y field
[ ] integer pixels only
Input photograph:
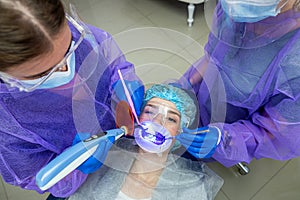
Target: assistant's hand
[
  {"x": 136, "y": 91},
  {"x": 200, "y": 142},
  {"x": 96, "y": 160}
]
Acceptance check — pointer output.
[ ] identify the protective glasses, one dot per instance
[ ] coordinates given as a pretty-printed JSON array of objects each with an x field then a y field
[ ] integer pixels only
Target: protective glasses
[
  {"x": 15, "y": 83},
  {"x": 162, "y": 114}
]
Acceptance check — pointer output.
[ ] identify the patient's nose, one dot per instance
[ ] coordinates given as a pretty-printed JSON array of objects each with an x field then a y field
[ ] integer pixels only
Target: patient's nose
[{"x": 159, "y": 119}]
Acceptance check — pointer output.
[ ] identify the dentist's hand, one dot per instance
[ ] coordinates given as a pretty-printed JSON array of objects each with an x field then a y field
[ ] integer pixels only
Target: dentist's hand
[
  {"x": 200, "y": 142},
  {"x": 136, "y": 91},
  {"x": 96, "y": 160}
]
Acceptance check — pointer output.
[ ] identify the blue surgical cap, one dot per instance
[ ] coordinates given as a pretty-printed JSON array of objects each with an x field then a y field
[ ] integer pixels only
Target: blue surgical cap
[{"x": 183, "y": 102}]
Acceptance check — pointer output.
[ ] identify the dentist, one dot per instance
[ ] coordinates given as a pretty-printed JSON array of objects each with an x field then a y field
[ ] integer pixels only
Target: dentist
[{"x": 55, "y": 72}]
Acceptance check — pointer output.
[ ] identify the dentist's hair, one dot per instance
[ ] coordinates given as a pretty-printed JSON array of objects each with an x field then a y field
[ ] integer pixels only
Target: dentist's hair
[{"x": 27, "y": 28}]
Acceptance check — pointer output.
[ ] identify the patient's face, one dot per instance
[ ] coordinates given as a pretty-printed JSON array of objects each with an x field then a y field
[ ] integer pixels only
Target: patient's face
[{"x": 162, "y": 112}]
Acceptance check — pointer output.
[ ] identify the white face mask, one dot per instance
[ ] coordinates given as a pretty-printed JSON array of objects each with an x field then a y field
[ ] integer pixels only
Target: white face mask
[{"x": 57, "y": 78}]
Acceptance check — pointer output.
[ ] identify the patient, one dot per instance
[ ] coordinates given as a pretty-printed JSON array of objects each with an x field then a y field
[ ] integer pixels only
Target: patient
[{"x": 135, "y": 169}]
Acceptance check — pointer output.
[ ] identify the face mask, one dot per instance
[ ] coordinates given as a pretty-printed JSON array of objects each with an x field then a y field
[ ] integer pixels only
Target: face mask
[
  {"x": 57, "y": 78},
  {"x": 250, "y": 10}
]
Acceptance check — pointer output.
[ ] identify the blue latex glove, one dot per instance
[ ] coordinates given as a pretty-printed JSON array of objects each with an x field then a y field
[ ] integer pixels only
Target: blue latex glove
[
  {"x": 136, "y": 91},
  {"x": 96, "y": 160},
  {"x": 200, "y": 145}
]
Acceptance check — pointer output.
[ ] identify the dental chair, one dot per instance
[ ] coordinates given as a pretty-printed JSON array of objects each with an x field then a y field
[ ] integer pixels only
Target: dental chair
[{"x": 242, "y": 168}]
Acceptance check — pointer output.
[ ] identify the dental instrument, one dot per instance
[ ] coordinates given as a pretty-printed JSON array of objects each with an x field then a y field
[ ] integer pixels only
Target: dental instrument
[{"x": 72, "y": 157}]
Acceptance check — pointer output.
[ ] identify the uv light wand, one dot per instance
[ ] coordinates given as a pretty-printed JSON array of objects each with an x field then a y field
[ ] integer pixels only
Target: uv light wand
[{"x": 71, "y": 158}]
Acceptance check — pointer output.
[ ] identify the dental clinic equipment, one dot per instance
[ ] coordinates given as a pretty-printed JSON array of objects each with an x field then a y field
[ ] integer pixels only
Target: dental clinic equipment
[
  {"x": 73, "y": 157},
  {"x": 128, "y": 97}
]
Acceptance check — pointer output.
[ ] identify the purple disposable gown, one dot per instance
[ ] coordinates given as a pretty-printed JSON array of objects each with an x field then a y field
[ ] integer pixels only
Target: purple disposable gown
[
  {"x": 37, "y": 126},
  {"x": 250, "y": 89}
]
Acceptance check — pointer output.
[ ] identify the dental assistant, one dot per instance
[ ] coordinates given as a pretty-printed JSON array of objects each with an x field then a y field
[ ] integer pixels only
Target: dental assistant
[
  {"x": 247, "y": 83},
  {"x": 55, "y": 73}
]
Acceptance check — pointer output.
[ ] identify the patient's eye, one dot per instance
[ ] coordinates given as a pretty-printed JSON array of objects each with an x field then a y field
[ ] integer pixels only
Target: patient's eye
[
  {"x": 173, "y": 120},
  {"x": 148, "y": 112}
]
